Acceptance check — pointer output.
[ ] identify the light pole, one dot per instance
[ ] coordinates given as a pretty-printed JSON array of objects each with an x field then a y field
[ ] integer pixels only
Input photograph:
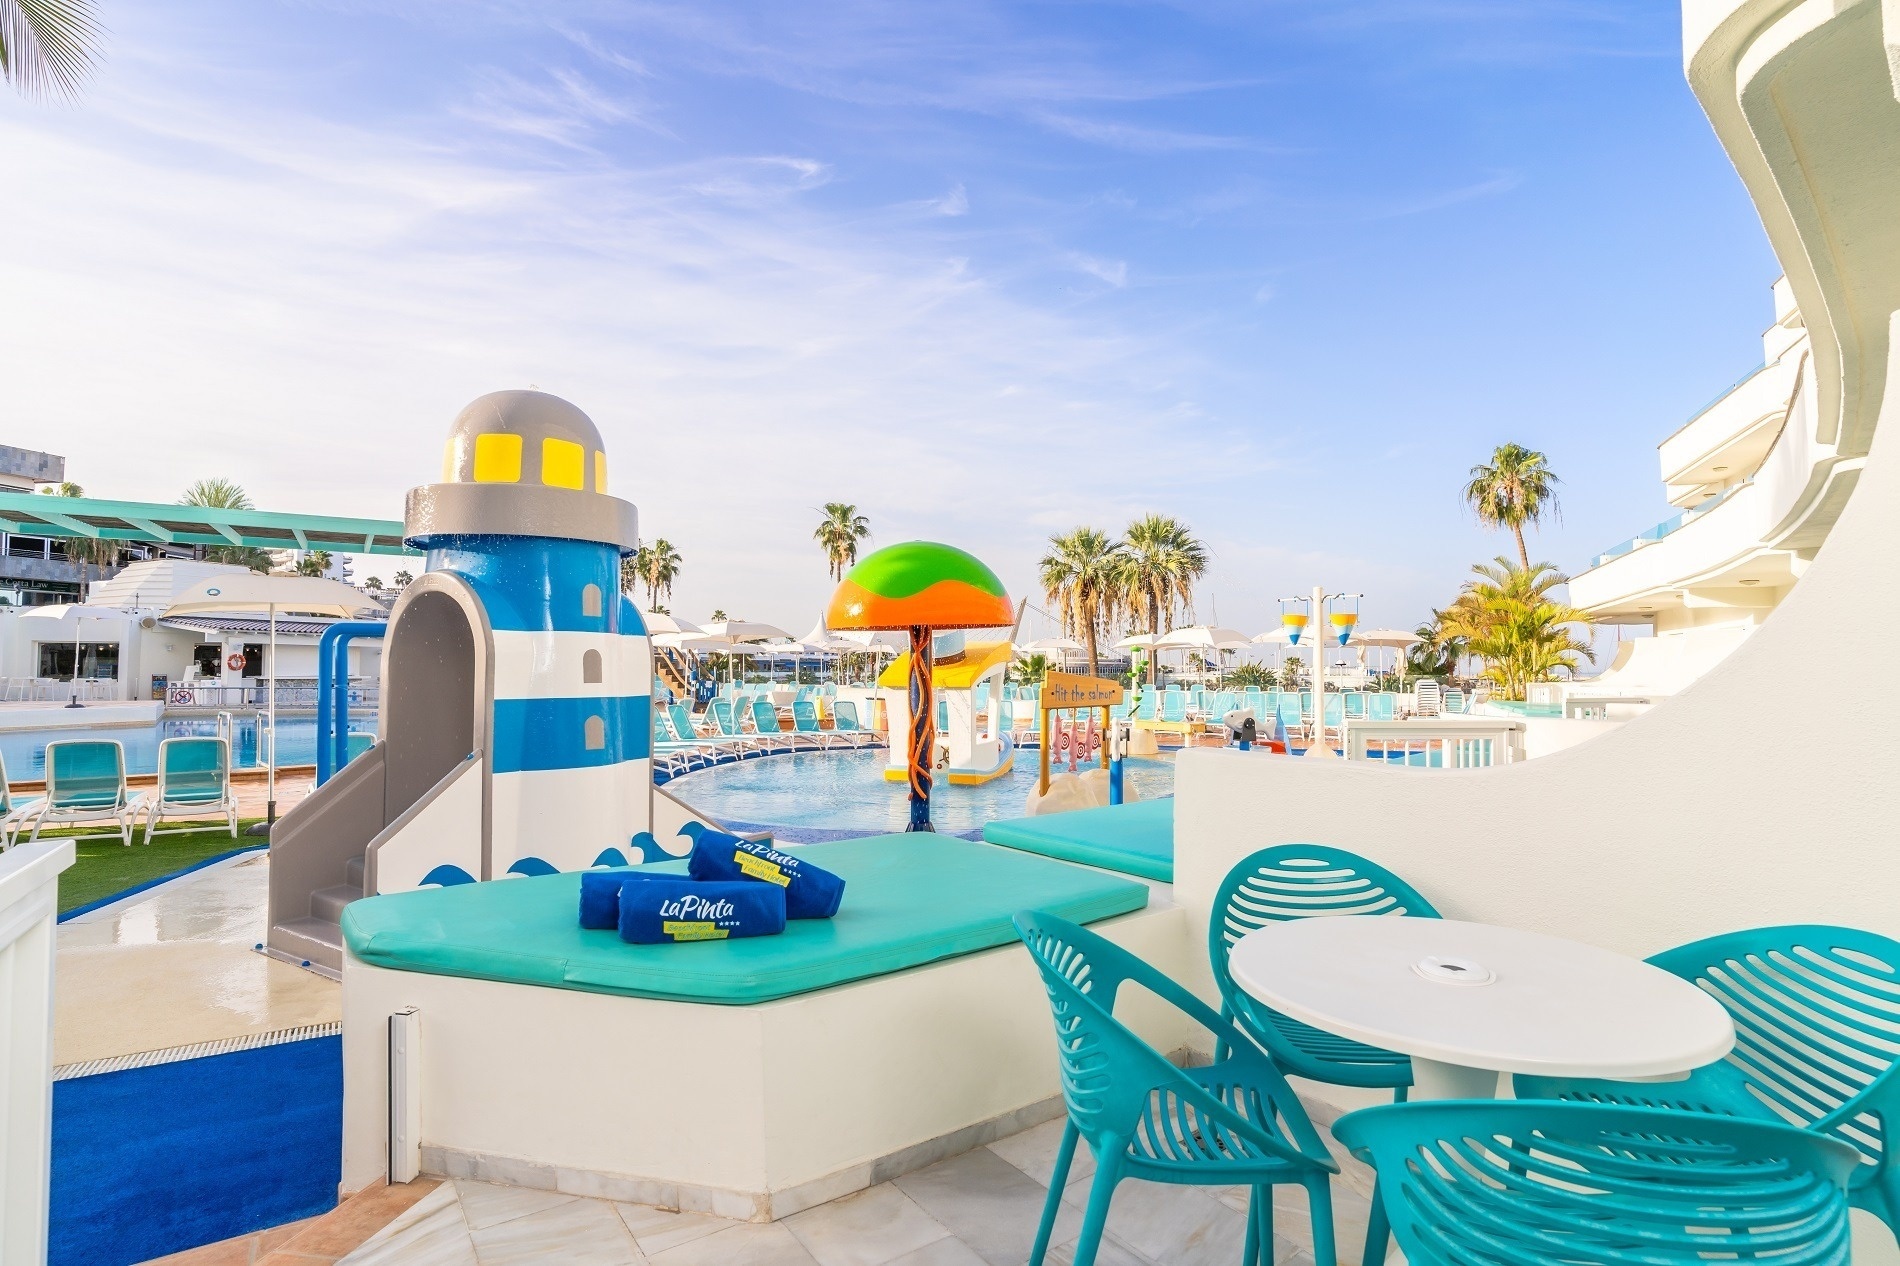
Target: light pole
[{"x": 1337, "y": 626}]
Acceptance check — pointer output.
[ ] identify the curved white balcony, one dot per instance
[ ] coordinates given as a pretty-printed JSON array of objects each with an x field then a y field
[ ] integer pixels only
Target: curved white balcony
[{"x": 1726, "y": 441}]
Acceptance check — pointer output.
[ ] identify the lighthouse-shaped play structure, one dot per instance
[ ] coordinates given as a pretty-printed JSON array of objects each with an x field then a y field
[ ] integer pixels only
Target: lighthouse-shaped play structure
[{"x": 515, "y": 736}]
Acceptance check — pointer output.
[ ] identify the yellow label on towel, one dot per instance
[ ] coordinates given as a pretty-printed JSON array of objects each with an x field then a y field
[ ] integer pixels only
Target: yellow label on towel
[
  {"x": 693, "y": 931},
  {"x": 759, "y": 868}
]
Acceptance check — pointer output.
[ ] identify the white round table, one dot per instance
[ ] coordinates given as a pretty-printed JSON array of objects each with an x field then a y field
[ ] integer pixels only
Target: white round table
[{"x": 1468, "y": 1001}]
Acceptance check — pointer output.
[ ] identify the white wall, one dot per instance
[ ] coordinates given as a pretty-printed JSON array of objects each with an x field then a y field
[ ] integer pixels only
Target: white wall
[{"x": 29, "y": 890}]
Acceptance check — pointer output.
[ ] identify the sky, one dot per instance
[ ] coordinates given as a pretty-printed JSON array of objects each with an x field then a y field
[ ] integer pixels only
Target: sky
[{"x": 1285, "y": 269}]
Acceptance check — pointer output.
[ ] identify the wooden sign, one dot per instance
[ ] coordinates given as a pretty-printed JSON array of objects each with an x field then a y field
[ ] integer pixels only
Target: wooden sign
[{"x": 1077, "y": 690}]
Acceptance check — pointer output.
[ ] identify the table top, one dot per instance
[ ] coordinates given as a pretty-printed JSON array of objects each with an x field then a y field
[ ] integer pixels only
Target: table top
[{"x": 1482, "y": 996}]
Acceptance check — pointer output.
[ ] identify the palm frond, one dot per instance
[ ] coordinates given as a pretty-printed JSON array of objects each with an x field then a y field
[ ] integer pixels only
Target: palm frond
[{"x": 47, "y": 47}]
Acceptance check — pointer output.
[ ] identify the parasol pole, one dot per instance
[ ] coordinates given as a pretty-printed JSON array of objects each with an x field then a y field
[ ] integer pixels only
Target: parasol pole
[{"x": 923, "y": 728}]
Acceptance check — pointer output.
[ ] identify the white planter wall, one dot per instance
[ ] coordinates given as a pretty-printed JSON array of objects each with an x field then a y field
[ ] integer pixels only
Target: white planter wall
[{"x": 29, "y": 892}]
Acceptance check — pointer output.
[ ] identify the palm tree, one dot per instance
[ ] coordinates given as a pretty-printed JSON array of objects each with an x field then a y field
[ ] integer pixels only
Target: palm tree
[
  {"x": 314, "y": 563},
  {"x": 1030, "y": 669},
  {"x": 1510, "y": 620},
  {"x": 659, "y": 568},
  {"x": 224, "y": 494},
  {"x": 1160, "y": 562},
  {"x": 1515, "y": 489},
  {"x": 46, "y": 46},
  {"x": 1081, "y": 578},
  {"x": 839, "y": 533}
]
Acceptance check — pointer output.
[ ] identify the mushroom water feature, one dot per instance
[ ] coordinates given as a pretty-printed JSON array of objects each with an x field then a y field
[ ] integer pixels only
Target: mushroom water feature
[{"x": 922, "y": 588}]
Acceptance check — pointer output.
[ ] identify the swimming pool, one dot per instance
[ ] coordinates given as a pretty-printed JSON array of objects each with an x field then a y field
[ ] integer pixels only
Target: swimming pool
[
  {"x": 819, "y": 793},
  {"x": 25, "y": 750}
]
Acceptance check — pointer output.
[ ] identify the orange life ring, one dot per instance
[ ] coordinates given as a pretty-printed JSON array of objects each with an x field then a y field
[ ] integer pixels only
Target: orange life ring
[{"x": 234, "y": 661}]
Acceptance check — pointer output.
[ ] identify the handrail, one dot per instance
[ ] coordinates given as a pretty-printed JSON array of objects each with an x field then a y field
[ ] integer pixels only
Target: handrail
[
  {"x": 1674, "y": 523},
  {"x": 333, "y": 683}
]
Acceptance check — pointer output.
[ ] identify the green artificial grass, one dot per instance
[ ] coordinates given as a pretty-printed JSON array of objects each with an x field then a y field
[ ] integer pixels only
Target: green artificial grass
[{"x": 105, "y": 866}]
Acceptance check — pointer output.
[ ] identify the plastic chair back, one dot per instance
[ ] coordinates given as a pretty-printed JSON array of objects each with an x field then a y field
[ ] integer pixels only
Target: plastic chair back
[
  {"x": 1382, "y": 707},
  {"x": 1454, "y": 700},
  {"x": 1335, "y": 710},
  {"x": 1501, "y": 1182},
  {"x": 85, "y": 774},
  {"x": 193, "y": 770},
  {"x": 844, "y": 716},
  {"x": 805, "y": 716},
  {"x": 1817, "y": 1024},
  {"x": 1356, "y": 704},
  {"x": 682, "y": 718},
  {"x": 765, "y": 716},
  {"x": 1292, "y": 715},
  {"x": 723, "y": 717},
  {"x": 355, "y": 743},
  {"x": 1173, "y": 706},
  {"x": 1110, "y": 1076},
  {"x": 1304, "y": 881}
]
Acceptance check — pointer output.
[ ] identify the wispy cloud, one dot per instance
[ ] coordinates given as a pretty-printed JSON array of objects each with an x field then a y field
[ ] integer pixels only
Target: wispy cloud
[
  {"x": 1112, "y": 271},
  {"x": 1501, "y": 183},
  {"x": 1134, "y": 137}
]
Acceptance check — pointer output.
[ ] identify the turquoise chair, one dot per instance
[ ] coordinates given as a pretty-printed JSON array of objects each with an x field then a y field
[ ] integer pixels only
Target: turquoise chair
[
  {"x": 1292, "y": 715},
  {"x": 1383, "y": 706},
  {"x": 715, "y": 751},
  {"x": 1233, "y": 1123},
  {"x": 805, "y": 723},
  {"x": 726, "y": 720},
  {"x": 943, "y": 716},
  {"x": 85, "y": 782},
  {"x": 1174, "y": 706},
  {"x": 1499, "y": 1183},
  {"x": 1303, "y": 881},
  {"x": 1454, "y": 701},
  {"x": 194, "y": 782},
  {"x": 1817, "y": 1028},
  {"x": 766, "y": 725},
  {"x": 844, "y": 720},
  {"x": 13, "y": 810},
  {"x": 1355, "y": 704}
]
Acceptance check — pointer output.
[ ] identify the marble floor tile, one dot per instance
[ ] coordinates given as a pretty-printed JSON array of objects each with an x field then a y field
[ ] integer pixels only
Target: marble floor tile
[
  {"x": 988, "y": 1203},
  {"x": 743, "y": 1244},
  {"x": 576, "y": 1233},
  {"x": 1108, "y": 1253},
  {"x": 870, "y": 1228},
  {"x": 1164, "y": 1222},
  {"x": 431, "y": 1233},
  {"x": 486, "y": 1204},
  {"x": 948, "y": 1251},
  {"x": 1034, "y": 1152},
  {"x": 656, "y": 1230}
]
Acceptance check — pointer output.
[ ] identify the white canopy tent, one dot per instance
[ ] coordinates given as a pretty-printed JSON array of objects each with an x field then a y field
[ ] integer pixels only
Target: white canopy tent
[
  {"x": 79, "y": 612},
  {"x": 302, "y": 595}
]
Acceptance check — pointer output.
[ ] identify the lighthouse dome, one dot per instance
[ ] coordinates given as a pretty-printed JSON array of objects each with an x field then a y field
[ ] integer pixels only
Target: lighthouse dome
[{"x": 521, "y": 463}]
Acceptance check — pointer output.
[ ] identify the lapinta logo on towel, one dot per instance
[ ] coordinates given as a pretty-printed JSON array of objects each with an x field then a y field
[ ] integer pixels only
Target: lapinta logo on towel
[
  {"x": 693, "y": 906},
  {"x": 766, "y": 851}
]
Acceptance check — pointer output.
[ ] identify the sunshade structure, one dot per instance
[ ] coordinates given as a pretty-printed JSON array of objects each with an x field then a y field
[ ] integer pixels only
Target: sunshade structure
[
  {"x": 1208, "y": 639},
  {"x": 920, "y": 587},
  {"x": 305, "y": 595},
  {"x": 1063, "y": 646},
  {"x": 80, "y": 613},
  {"x": 150, "y": 522},
  {"x": 658, "y": 622}
]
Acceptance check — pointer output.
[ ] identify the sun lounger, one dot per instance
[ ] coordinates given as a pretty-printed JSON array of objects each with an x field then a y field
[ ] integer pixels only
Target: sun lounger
[
  {"x": 13, "y": 811},
  {"x": 194, "y": 782},
  {"x": 85, "y": 782}
]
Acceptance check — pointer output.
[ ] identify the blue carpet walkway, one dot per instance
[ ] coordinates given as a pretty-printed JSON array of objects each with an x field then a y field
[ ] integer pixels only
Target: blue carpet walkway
[{"x": 149, "y": 1161}]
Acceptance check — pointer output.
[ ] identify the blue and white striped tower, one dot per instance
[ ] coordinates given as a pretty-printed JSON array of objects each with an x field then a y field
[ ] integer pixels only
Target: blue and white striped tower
[{"x": 522, "y": 535}]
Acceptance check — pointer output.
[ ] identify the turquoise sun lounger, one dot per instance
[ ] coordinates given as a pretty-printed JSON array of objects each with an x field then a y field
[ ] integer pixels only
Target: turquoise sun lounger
[
  {"x": 909, "y": 900},
  {"x": 1131, "y": 839}
]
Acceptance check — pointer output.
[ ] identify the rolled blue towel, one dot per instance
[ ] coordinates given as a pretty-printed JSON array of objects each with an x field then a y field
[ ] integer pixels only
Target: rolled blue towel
[
  {"x": 668, "y": 908},
  {"x": 600, "y": 894},
  {"x": 810, "y": 891}
]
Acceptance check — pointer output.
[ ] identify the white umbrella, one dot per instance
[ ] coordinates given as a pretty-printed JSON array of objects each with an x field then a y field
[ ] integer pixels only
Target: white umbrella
[
  {"x": 1383, "y": 637},
  {"x": 81, "y": 612},
  {"x": 1052, "y": 644},
  {"x": 1137, "y": 642},
  {"x": 249, "y": 591},
  {"x": 659, "y": 622},
  {"x": 744, "y": 630},
  {"x": 1201, "y": 637}
]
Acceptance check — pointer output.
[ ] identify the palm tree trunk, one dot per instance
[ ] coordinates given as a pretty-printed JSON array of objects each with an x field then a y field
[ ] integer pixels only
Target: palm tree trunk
[{"x": 1523, "y": 557}]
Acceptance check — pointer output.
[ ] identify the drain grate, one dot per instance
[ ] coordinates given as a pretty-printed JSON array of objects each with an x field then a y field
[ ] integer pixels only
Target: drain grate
[{"x": 198, "y": 1050}]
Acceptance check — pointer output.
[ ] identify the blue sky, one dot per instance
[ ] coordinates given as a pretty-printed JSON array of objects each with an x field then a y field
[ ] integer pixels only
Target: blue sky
[{"x": 988, "y": 270}]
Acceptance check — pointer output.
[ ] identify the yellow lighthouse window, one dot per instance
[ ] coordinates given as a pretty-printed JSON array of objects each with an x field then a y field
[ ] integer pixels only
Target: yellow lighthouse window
[
  {"x": 498, "y": 459},
  {"x": 600, "y": 471},
  {"x": 563, "y": 464}
]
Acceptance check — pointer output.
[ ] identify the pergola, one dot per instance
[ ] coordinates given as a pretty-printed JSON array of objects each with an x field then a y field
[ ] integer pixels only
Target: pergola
[{"x": 144, "y": 522}]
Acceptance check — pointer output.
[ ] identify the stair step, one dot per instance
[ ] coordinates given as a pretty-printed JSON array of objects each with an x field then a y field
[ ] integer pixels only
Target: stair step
[
  {"x": 353, "y": 873},
  {"x": 311, "y": 939},
  {"x": 327, "y": 903}
]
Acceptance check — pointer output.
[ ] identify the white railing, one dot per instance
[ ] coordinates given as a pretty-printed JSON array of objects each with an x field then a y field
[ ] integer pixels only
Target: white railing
[
  {"x": 29, "y": 891},
  {"x": 1439, "y": 743}
]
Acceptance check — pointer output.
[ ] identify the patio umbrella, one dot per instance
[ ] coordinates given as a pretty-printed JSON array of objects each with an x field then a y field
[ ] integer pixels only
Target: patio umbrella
[
  {"x": 1063, "y": 646},
  {"x": 81, "y": 612},
  {"x": 1398, "y": 639},
  {"x": 921, "y": 587},
  {"x": 249, "y": 591},
  {"x": 1209, "y": 639},
  {"x": 658, "y": 622}
]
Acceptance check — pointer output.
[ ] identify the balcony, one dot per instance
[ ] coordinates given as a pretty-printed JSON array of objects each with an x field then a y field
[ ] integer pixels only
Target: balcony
[{"x": 1725, "y": 442}]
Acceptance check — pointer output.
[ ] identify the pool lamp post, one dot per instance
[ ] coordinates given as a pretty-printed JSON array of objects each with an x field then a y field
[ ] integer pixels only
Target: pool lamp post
[
  {"x": 920, "y": 588},
  {"x": 1336, "y": 626}
]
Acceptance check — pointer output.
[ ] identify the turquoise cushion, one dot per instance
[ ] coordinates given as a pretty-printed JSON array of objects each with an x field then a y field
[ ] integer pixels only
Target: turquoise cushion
[
  {"x": 909, "y": 899},
  {"x": 1134, "y": 839}
]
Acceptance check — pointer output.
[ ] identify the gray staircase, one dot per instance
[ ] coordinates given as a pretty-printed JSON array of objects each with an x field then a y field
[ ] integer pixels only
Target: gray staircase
[{"x": 316, "y": 940}]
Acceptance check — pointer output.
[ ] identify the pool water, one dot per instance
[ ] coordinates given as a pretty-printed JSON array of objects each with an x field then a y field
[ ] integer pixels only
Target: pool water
[
  {"x": 25, "y": 750},
  {"x": 846, "y": 791}
]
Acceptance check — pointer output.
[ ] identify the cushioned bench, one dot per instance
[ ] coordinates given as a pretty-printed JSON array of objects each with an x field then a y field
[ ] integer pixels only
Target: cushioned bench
[
  {"x": 909, "y": 900},
  {"x": 1134, "y": 839}
]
